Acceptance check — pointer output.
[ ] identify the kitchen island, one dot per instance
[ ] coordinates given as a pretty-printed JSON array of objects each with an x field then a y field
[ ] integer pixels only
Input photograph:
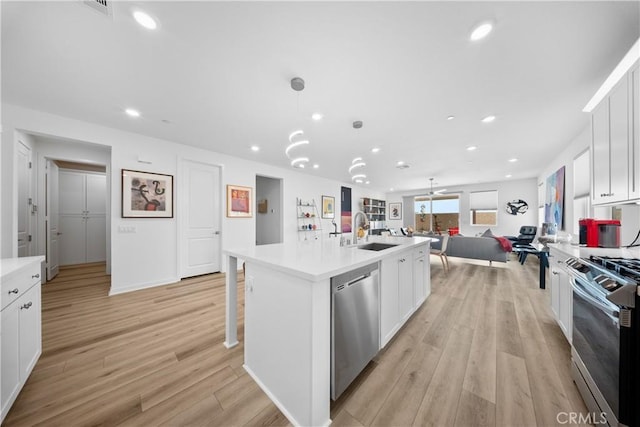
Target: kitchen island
[{"x": 287, "y": 334}]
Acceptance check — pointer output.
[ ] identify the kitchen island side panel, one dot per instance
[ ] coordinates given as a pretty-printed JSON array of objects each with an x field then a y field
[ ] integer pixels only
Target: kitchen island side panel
[{"x": 287, "y": 342}]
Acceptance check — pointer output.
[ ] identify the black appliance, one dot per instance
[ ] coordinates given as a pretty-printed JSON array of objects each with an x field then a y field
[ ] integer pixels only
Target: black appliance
[{"x": 606, "y": 336}]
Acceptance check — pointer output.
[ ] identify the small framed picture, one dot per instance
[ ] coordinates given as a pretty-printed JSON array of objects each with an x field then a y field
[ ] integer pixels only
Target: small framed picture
[
  {"x": 239, "y": 202},
  {"x": 146, "y": 195},
  {"x": 395, "y": 210},
  {"x": 328, "y": 207}
]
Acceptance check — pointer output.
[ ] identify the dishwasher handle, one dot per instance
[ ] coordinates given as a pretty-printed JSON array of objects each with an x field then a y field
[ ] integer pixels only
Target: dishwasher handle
[{"x": 364, "y": 276}]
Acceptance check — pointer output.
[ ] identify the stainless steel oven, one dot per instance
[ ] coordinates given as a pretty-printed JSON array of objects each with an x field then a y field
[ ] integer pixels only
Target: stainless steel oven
[{"x": 605, "y": 334}]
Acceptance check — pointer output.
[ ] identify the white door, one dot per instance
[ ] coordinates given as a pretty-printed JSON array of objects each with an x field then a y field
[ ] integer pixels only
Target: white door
[
  {"x": 82, "y": 219},
  {"x": 24, "y": 199},
  {"x": 51, "y": 219},
  {"x": 200, "y": 238},
  {"x": 95, "y": 218}
]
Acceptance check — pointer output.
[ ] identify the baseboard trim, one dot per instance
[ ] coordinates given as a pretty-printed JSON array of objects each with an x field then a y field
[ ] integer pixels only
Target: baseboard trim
[{"x": 140, "y": 286}]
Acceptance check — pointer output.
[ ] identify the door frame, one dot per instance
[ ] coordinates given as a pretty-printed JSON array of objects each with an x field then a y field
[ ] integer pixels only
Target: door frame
[
  {"x": 42, "y": 190},
  {"x": 281, "y": 207},
  {"x": 182, "y": 210}
]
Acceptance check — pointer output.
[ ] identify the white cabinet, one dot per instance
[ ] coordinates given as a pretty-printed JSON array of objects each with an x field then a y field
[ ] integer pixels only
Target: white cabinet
[
  {"x": 404, "y": 285},
  {"x": 615, "y": 145},
  {"x": 421, "y": 275},
  {"x": 634, "y": 123},
  {"x": 21, "y": 331},
  {"x": 82, "y": 217},
  {"x": 561, "y": 293}
]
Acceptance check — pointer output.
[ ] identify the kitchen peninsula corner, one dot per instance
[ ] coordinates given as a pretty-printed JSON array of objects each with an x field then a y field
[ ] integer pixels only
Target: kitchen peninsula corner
[{"x": 287, "y": 336}]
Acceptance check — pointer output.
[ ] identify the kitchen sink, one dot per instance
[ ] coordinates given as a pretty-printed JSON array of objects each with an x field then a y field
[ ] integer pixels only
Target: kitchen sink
[{"x": 376, "y": 246}]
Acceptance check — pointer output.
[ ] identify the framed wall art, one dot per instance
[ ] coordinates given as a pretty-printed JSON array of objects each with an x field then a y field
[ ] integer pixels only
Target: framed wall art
[
  {"x": 328, "y": 207},
  {"x": 395, "y": 210},
  {"x": 146, "y": 194},
  {"x": 239, "y": 201}
]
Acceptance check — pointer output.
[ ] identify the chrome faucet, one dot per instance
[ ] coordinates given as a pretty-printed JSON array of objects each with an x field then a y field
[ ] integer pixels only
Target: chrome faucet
[{"x": 355, "y": 224}]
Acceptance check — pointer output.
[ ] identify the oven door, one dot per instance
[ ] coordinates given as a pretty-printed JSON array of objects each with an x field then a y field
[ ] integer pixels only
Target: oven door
[{"x": 596, "y": 340}]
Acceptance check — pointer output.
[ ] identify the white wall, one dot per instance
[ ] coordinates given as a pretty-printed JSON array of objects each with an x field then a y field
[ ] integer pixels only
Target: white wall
[
  {"x": 508, "y": 190},
  {"x": 149, "y": 257}
]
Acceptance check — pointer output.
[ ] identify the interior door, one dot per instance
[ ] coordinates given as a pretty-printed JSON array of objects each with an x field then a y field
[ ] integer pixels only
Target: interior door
[
  {"x": 24, "y": 199},
  {"x": 201, "y": 230},
  {"x": 51, "y": 220},
  {"x": 71, "y": 193},
  {"x": 95, "y": 218}
]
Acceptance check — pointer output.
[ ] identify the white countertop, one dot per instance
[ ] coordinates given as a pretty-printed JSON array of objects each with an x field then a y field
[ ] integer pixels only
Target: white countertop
[
  {"x": 585, "y": 252},
  {"x": 316, "y": 260},
  {"x": 9, "y": 267}
]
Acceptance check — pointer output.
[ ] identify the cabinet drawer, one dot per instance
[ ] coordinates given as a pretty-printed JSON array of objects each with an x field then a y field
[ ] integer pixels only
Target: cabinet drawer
[{"x": 19, "y": 284}]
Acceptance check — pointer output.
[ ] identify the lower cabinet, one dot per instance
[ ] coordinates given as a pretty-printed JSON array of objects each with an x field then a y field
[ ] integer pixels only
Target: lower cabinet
[
  {"x": 421, "y": 276},
  {"x": 561, "y": 294},
  {"x": 404, "y": 285},
  {"x": 21, "y": 343}
]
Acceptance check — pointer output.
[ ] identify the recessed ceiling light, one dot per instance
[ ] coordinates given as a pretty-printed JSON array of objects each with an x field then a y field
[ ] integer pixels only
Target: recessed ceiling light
[
  {"x": 513, "y": 160},
  {"x": 367, "y": 182},
  {"x": 400, "y": 163},
  {"x": 391, "y": 189},
  {"x": 472, "y": 148},
  {"x": 488, "y": 119},
  {"x": 299, "y": 162},
  {"x": 356, "y": 165},
  {"x": 451, "y": 117},
  {"x": 255, "y": 148},
  {"x": 481, "y": 31},
  {"x": 317, "y": 116},
  {"x": 316, "y": 166},
  {"x": 508, "y": 175},
  {"x": 131, "y": 112},
  {"x": 375, "y": 150},
  {"x": 145, "y": 20}
]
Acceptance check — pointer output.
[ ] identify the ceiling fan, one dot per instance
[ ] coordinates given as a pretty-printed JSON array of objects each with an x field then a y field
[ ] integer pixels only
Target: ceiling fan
[{"x": 437, "y": 192}]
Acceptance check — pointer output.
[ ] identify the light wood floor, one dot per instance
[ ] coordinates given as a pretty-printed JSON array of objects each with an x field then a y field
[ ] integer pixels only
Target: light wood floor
[{"x": 483, "y": 350}]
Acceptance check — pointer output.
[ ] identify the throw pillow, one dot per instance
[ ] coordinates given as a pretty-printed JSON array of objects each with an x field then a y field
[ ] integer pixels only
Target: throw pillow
[{"x": 487, "y": 233}]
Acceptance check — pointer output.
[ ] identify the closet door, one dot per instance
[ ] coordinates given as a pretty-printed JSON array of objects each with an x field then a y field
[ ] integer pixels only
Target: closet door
[
  {"x": 72, "y": 239},
  {"x": 96, "y": 223},
  {"x": 71, "y": 205}
]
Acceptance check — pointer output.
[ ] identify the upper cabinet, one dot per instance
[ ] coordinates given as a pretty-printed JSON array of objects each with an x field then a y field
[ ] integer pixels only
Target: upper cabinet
[
  {"x": 634, "y": 122},
  {"x": 615, "y": 145}
]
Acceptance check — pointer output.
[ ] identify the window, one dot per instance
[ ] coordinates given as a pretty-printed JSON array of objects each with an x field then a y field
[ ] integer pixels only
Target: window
[
  {"x": 483, "y": 206},
  {"x": 445, "y": 210}
]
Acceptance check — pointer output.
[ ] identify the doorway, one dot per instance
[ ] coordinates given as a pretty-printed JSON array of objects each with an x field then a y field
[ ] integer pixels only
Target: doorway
[{"x": 268, "y": 210}]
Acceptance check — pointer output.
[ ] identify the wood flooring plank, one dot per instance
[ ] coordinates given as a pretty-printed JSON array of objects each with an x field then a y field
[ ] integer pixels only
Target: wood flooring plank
[
  {"x": 440, "y": 402},
  {"x": 514, "y": 404},
  {"x": 402, "y": 404},
  {"x": 480, "y": 374},
  {"x": 474, "y": 411},
  {"x": 507, "y": 333}
]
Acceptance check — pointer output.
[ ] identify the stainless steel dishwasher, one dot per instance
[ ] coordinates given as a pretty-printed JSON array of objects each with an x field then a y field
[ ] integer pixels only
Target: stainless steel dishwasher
[{"x": 355, "y": 324}]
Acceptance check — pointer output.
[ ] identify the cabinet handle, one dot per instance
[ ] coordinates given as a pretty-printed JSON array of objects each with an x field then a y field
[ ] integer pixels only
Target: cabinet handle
[
  {"x": 554, "y": 272},
  {"x": 15, "y": 291},
  {"x": 36, "y": 276},
  {"x": 26, "y": 306}
]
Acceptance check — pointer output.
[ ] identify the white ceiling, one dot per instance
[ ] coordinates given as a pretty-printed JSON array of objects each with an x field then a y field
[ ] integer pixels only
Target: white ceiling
[{"x": 219, "y": 72}]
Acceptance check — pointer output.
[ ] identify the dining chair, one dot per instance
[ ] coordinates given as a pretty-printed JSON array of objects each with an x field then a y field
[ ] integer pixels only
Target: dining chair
[{"x": 442, "y": 253}]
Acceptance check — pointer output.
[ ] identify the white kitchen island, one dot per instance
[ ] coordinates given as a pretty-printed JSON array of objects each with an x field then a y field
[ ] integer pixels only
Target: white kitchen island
[{"x": 287, "y": 317}]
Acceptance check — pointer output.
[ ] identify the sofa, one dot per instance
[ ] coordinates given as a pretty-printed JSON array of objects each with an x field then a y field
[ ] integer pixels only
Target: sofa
[{"x": 482, "y": 248}]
